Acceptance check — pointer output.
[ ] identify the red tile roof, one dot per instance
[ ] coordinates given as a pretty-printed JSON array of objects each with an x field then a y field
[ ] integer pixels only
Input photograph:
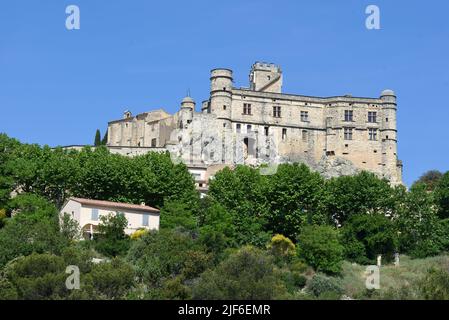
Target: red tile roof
[{"x": 115, "y": 205}]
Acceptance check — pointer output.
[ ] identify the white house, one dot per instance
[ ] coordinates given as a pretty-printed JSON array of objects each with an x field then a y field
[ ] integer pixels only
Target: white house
[{"x": 87, "y": 213}]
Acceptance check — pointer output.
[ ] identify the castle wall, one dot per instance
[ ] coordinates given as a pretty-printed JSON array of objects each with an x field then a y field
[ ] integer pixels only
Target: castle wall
[{"x": 308, "y": 129}]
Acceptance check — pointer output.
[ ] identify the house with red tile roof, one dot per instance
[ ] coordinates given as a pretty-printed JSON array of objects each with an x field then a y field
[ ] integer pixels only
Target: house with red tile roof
[{"x": 87, "y": 212}]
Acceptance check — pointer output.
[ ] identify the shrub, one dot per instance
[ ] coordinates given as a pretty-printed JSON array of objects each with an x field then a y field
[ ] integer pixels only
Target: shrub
[
  {"x": 2, "y": 217},
  {"x": 319, "y": 246},
  {"x": 321, "y": 285},
  {"x": 21, "y": 237},
  {"x": 299, "y": 280},
  {"x": 281, "y": 246},
  {"x": 109, "y": 280},
  {"x": 247, "y": 274},
  {"x": 36, "y": 277},
  {"x": 159, "y": 255},
  {"x": 138, "y": 234}
]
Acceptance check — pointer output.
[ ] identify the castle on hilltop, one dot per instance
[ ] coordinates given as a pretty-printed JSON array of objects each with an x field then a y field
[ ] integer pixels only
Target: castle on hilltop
[{"x": 261, "y": 124}]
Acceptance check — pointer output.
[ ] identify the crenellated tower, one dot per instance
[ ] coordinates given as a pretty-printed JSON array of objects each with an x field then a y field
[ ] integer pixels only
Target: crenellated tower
[{"x": 265, "y": 77}]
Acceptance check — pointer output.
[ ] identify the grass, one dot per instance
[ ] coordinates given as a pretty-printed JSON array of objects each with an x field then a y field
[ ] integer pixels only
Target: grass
[{"x": 392, "y": 278}]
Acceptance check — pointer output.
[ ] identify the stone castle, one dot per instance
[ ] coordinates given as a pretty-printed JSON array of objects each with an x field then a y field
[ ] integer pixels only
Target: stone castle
[{"x": 260, "y": 124}]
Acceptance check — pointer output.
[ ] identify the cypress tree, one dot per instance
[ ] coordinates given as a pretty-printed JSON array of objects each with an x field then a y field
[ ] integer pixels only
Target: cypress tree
[{"x": 97, "y": 138}]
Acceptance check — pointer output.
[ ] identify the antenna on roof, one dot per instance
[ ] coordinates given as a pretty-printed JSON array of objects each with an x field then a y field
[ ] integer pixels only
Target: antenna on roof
[{"x": 188, "y": 92}]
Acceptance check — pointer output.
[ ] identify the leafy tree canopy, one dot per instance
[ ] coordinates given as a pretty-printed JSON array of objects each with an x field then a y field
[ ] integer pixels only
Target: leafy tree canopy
[{"x": 320, "y": 247}]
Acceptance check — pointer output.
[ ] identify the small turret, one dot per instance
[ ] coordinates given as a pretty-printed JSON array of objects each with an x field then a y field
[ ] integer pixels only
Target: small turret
[
  {"x": 388, "y": 96},
  {"x": 127, "y": 114},
  {"x": 186, "y": 113},
  {"x": 188, "y": 103}
]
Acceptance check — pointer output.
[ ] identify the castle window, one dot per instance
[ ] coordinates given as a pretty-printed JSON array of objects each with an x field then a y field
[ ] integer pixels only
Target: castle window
[
  {"x": 224, "y": 107},
  {"x": 266, "y": 131},
  {"x": 153, "y": 143},
  {"x": 224, "y": 125},
  {"x": 386, "y": 119},
  {"x": 348, "y": 133},
  {"x": 349, "y": 115},
  {"x": 247, "y": 108},
  {"x": 372, "y": 116},
  {"x": 269, "y": 78},
  {"x": 276, "y": 111},
  {"x": 248, "y": 128},
  {"x": 305, "y": 135},
  {"x": 304, "y": 116},
  {"x": 284, "y": 134},
  {"x": 238, "y": 127},
  {"x": 372, "y": 134}
]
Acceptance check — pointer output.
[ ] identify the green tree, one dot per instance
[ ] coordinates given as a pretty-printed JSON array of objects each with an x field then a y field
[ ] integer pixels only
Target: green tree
[
  {"x": 34, "y": 228},
  {"x": 43, "y": 171},
  {"x": 418, "y": 224},
  {"x": 248, "y": 274},
  {"x": 7, "y": 149},
  {"x": 320, "y": 247},
  {"x": 57, "y": 174},
  {"x": 366, "y": 236},
  {"x": 111, "y": 239},
  {"x": 442, "y": 196},
  {"x": 176, "y": 214},
  {"x": 97, "y": 141},
  {"x": 32, "y": 206},
  {"x": 70, "y": 228},
  {"x": 430, "y": 179},
  {"x": 217, "y": 231},
  {"x": 242, "y": 193},
  {"x": 360, "y": 194},
  {"x": 295, "y": 197},
  {"x": 104, "y": 141}
]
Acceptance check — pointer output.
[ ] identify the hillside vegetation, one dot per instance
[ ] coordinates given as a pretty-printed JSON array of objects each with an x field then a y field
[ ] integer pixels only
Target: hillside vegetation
[{"x": 289, "y": 235}]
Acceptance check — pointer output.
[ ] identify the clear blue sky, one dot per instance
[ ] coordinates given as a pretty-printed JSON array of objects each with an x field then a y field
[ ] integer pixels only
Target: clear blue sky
[{"x": 58, "y": 86}]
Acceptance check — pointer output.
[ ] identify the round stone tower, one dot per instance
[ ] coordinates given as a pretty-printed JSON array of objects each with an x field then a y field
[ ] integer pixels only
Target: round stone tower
[
  {"x": 389, "y": 136},
  {"x": 187, "y": 109},
  {"x": 221, "y": 94}
]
